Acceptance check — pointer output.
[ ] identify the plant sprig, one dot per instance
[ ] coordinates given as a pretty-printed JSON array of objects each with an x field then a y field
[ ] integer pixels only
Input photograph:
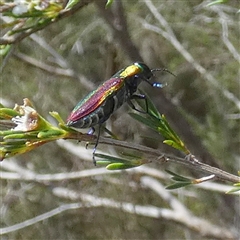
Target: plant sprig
[
  {"x": 159, "y": 123},
  {"x": 30, "y": 130}
]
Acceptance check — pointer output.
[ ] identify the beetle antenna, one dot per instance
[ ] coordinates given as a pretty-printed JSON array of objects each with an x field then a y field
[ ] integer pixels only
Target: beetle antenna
[
  {"x": 163, "y": 70},
  {"x": 157, "y": 84}
]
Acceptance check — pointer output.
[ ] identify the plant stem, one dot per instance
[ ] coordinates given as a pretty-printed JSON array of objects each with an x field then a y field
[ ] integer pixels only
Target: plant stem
[{"x": 189, "y": 161}]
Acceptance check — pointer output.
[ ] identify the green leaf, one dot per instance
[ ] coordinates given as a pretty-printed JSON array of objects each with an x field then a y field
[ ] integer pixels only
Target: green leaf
[
  {"x": 110, "y": 158},
  {"x": 21, "y": 135},
  {"x": 57, "y": 117},
  {"x": 178, "y": 185},
  {"x": 119, "y": 166},
  {"x": 144, "y": 120},
  {"x": 159, "y": 123},
  {"x": 235, "y": 189},
  {"x": 109, "y": 3},
  {"x": 15, "y": 142},
  {"x": 180, "y": 181},
  {"x": 169, "y": 130},
  {"x": 171, "y": 137},
  {"x": 178, "y": 177},
  {"x": 173, "y": 144},
  {"x": 66, "y": 128},
  {"x": 110, "y": 133},
  {"x": 103, "y": 162},
  {"x": 8, "y": 113},
  {"x": 4, "y": 50},
  {"x": 216, "y": 2},
  {"x": 152, "y": 110},
  {"x": 71, "y": 3},
  {"x": 115, "y": 163},
  {"x": 50, "y": 134},
  {"x": 13, "y": 147}
]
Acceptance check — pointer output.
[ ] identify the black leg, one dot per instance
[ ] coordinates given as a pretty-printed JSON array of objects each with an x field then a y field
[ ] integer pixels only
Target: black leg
[
  {"x": 138, "y": 96},
  {"x": 90, "y": 132},
  {"x": 96, "y": 144}
]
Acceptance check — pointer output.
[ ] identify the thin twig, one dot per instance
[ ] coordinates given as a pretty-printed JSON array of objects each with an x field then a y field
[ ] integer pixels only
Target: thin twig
[
  {"x": 44, "y": 66},
  {"x": 182, "y": 214},
  {"x": 187, "y": 161},
  {"x": 199, "y": 225},
  {"x": 40, "y": 218},
  {"x": 223, "y": 21},
  {"x": 154, "y": 155},
  {"x": 192, "y": 163},
  {"x": 12, "y": 171}
]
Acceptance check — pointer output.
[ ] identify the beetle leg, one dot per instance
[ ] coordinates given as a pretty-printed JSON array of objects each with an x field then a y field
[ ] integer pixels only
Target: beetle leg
[
  {"x": 90, "y": 132},
  {"x": 96, "y": 144},
  {"x": 138, "y": 96}
]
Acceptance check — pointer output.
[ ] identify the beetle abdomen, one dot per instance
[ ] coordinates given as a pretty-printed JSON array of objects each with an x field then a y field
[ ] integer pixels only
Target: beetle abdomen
[{"x": 103, "y": 112}]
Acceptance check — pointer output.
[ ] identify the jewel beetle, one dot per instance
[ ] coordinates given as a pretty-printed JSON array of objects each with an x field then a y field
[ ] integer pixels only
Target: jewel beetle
[{"x": 98, "y": 105}]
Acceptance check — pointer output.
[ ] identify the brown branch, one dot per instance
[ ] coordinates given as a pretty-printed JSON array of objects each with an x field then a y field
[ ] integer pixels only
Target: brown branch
[
  {"x": 44, "y": 66},
  {"x": 189, "y": 161}
]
